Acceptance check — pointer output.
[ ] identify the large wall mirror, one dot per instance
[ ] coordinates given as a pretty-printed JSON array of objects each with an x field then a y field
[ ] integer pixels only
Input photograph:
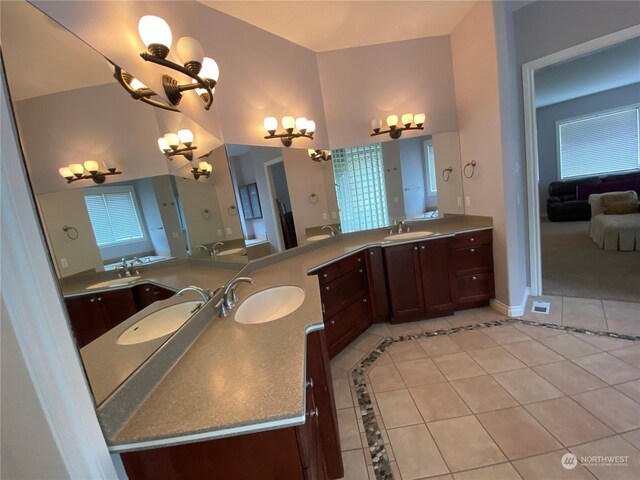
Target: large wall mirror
[{"x": 69, "y": 110}]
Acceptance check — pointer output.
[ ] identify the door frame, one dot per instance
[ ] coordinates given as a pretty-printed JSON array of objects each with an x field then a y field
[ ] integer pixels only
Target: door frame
[
  {"x": 272, "y": 201},
  {"x": 531, "y": 138}
]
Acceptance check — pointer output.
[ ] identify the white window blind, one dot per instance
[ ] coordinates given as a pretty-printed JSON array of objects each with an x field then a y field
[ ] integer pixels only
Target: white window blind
[
  {"x": 431, "y": 166},
  {"x": 114, "y": 216},
  {"x": 362, "y": 197},
  {"x": 602, "y": 143}
]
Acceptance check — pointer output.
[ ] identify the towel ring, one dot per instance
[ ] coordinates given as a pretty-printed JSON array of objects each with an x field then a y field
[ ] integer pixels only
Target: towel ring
[
  {"x": 313, "y": 198},
  {"x": 446, "y": 173},
  {"x": 206, "y": 214},
  {"x": 232, "y": 210},
  {"x": 471, "y": 164},
  {"x": 67, "y": 229}
]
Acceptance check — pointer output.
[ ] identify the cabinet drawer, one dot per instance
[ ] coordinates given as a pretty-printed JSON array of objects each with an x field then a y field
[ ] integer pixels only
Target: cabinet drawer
[
  {"x": 475, "y": 287},
  {"x": 482, "y": 237},
  {"x": 472, "y": 260},
  {"x": 341, "y": 267},
  {"x": 328, "y": 274},
  {"x": 342, "y": 328},
  {"x": 338, "y": 294}
]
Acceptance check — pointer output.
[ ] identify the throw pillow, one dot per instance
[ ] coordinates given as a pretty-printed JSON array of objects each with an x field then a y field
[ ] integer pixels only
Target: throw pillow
[{"x": 619, "y": 203}]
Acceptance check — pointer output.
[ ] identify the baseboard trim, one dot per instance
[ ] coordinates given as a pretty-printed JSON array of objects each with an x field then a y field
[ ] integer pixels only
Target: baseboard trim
[{"x": 511, "y": 310}]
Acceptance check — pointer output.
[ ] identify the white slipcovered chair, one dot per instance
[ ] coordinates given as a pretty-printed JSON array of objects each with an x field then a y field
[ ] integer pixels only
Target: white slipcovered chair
[{"x": 614, "y": 232}]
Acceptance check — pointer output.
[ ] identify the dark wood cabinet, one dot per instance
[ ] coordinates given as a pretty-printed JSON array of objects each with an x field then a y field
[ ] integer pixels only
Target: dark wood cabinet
[
  {"x": 310, "y": 451},
  {"x": 377, "y": 284},
  {"x": 437, "y": 278},
  {"x": 147, "y": 293},
  {"x": 473, "y": 269},
  {"x": 404, "y": 282}
]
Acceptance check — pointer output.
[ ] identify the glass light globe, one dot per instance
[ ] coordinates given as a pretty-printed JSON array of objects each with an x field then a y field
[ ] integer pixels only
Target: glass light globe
[
  {"x": 311, "y": 152},
  {"x": 137, "y": 84},
  {"x": 376, "y": 124},
  {"x": 301, "y": 124},
  {"x": 76, "y": 168},
  {"x": 419, "y": 118},
  {"x": 154, "y": 30},
  {"x": 172, "y": 140},
  {"x": 209, "y": 69},
  {"x": 311, "y": 126},
  {"x": 189, "y": 50},
  {"x": 392, "y": 120},
  {"x": 109, "y": 164},
  {"x": 185, "y": 136},
  {"x": 407, "y": 119},
  {"x": 202, "y": 166},
  {"x": 91, "y": 166},
  {"x": 164, "y": 146},
  {"x": 65, "y": 172},
  {"x": 288, "y": 122},
  {"x": 270, "y": 124},
  {"x": 209, "y": 167}
]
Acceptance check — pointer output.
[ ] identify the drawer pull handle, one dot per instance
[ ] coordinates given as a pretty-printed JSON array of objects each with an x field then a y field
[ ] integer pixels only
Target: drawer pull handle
[
  {"x": 325, "y": 275},
  {"x": 422, "y": 247},
  {"x": 473, "y": 250},
  {"x": 148, "y": 289},
  {"x": 333, "y": 322},
  {"x": 327, "y": 288},
  {"x": 360, "y": 270},
  {"x": 92, "y": 300},
  {"x": 472, "y": 239},
  {"x": 309, "y": 383},
  {"x": 314, "y": 413},
  {"x": 99, "y": 299},
  {"x": 364, "y": 300},
  {"x": 415, "y": 248},
  {"x": 371, "y": 253},
  {"x": 359, "y": 259},
  {"x": 474, "y": 278}
]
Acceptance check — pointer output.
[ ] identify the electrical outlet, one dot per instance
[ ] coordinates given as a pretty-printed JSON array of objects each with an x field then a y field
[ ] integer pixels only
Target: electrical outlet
[
  {"x": 219, "y": 232},
  {"x": 459, "y": 201},
  {"x": 324, "y": 216},
  {"x": 334, "y": 214},
  {"x": 467, "y": 201},
  {"x": 64, "y": 263},
  {"x": 228, "y": 231}
]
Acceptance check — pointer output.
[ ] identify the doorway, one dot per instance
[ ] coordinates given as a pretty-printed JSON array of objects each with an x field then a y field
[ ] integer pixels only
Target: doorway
[{"x": 280, "y": 203}]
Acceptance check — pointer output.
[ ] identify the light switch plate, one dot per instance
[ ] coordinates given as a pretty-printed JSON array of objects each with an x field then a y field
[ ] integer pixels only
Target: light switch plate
[
  {"x": 64, "y": 263},
  {"x": 219, "y": 232},
  {"x": 334, "y": 215},
  {"x": 228, "y": 231},
  {"x": 467, "y": 201},
  {"x": 459, "y": 201},
  {"x": 324, "y": 216}
]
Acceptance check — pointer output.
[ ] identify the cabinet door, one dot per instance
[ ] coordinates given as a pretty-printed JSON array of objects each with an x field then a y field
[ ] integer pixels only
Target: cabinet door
[
  {"x": 436, "y": 277},
  {"x": 404, "y": 282},
  {"x": 377, "y": 283},
  {"x": 345, "y": 326},
  {"x": 341, "y": 292},
  {"x": 147, "y": 293},
  {"x": 117, "y": 306},
  {"x": 86, "y": 317}
]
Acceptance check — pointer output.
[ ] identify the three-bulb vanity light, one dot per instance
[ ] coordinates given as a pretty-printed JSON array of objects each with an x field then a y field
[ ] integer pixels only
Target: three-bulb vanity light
[
  {"x": 319, "y": 155},
  {"x": 203, "y": 71},
  {"x": 170, "y": 144},
  {"x": 76, "y": 171},
  {"x": 305, "y": 128},
  {"x": 200, "y": 169},
  {"x": 395, "y": 131}
]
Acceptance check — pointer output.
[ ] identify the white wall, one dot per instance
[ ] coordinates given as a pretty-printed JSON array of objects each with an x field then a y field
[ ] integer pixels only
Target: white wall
[
  {"x": 414, "y": 171},
  {"x": 446, "y": 149},
  {"x": 221, "y": 180}
]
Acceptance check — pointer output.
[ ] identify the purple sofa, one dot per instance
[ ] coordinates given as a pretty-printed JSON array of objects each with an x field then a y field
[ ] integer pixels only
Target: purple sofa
[{"x": 569, "y": 201}]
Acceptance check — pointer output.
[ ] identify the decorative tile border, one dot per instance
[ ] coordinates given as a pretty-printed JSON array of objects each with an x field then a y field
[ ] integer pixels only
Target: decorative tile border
[{"x": 377, "y": 450}]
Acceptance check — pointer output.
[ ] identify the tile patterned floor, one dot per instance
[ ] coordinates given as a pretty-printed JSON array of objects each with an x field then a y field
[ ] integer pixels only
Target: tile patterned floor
[{"x": 500, "y": 402}]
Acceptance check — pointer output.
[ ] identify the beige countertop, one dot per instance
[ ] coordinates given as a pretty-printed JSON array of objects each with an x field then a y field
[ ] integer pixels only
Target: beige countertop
[{"x": 237, "y": 378}]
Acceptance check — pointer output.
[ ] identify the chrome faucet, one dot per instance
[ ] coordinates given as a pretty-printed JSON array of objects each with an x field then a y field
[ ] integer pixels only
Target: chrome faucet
[
  {"x": 214, "y": 248},
  {"x": 137, "y": 264},
  {"x": 205, "y": 294},
  {"x": 229, "y": 296},
  {"x": 123, "y": 268},
  {"x": 331, "y": 229}
]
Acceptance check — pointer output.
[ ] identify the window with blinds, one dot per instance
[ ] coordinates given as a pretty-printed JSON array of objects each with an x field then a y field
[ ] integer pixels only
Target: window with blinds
[
  {"x": 430, "y": 159},
  {"x": 362, "y": 197},
  {"x": 602, "y": 143},
  {"x": 114, "y": 215}
]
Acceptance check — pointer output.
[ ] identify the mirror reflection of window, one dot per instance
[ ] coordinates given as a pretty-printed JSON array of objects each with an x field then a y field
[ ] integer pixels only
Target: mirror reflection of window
[
  {"x": 362, "y": 197},
  {"x": 430, "y": 160},
  {"x": 114, "y": 215},
  {"x": 250, "y": 201}
]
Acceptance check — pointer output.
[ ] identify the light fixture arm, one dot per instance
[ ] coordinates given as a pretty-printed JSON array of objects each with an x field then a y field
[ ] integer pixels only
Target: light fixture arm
[
  {"x": 396, "y": 132},
  {"x": 287, "y": 138},
  {"x": 142, "y": 94},
  {"x": 97, "y": 177},
  {"x": 186, "y": 151}
]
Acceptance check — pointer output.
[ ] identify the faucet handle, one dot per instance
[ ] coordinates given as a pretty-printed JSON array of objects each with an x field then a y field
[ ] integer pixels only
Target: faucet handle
[{"x": 222, "y": 308}]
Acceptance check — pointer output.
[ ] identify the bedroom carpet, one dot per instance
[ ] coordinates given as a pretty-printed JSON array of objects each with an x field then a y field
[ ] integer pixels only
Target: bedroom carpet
[{"x": 574, "y": 266}]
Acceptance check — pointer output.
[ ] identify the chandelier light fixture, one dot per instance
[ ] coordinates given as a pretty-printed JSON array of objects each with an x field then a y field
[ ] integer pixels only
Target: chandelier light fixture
[
  {"x": 180, "y": 143},
  {"x": 409, "y": 122},
  {"x": 200, "y": 168},
  {"x": 319, "y": 155},
  {"x": 203, "y": 71},
  {"x": 78, "y": 171},
  {"x": 293, "y": 128}
]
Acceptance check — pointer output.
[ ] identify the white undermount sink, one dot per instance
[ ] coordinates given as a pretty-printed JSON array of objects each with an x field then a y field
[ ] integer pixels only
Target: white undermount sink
[
  {"x": 408, "y": 235},
  {"x": 159, "y": 324},
  {"x": 270, "y": 304},
  {"x": 231, "y": 251},
  {"x": 316, "y": 238},
  {"x": 116, "y": 282}
]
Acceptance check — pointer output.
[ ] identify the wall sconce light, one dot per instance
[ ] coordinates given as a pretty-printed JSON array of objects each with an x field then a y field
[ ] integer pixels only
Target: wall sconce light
[
  {"x": 305, "y": 128},
  {"x": 394, "y": 130},
  {"x": 200, "y": 169},
  {"x": 204, "y": 72},
  {"x": 138, "y": 90},
  {"x": 170, "y": 144},
  {"x": 76, "y": 171},
  {"x": 319, "y": 155}
]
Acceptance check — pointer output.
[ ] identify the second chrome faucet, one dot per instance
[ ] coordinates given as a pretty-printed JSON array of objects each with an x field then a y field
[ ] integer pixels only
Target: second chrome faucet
[{"x": 229, "y": 297}]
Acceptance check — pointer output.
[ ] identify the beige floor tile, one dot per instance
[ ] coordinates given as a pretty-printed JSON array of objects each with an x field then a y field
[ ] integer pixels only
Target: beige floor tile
[
  {"x": 347, "y": 358},
  {"x": 407, "y": 328},
  {"x": 366, "y": 342},
  {"x": 383, "y": 378},
  {"x": 612, "y": 407},
  {"x": 630, "y": 389},
  {"x": 526, "y": 386},
  {"x": 409, "y": 350},
  {"x": 488, "y": 314},
  {"x": 569, "y": 346},
  {"x": 384, "y": 359},
  {"x": 503, "y": 471},
  {"x": 438, "y": 401},
  {"x": 549, "y": 467},
  {"x": 395, "y": 470},
  {"x": 517, "y": 433},
  {"x": 342, "y": 393},
  {"x": 608, "y": 368},
  {"x": 397, "y": 409},
  {"x": 569, "y": 377},
  {"x": 633, "y": 438},
  {"x": 506, "y": 334},
  {"x": 630, "y": 354},
  {"x": 434, "y": 324},
  {"x": 339, "y": 373},
  {"x": 380, "y": 329},
  {"x": 472, "y": 340},
  {"x": 441, "y": 345},
  {"x": 354, "y": 466},
  {"x": 622, "y": 317},
  {"x": 464, "y": 443},
  {"x": 612, "y": 446},
  {"x": 458, "y": 365},
  {"x": 602, "y": 342},
  {"x": 416, "y": 453},
  {"x": 483, "y": 394},
  {"x": 419, "y": 372},
  {"x": 465, "y": 318},
  {"x": 495, "y": 359},
  {"x": 584, "y": 313},
  {"x": 533, "y": 353},
  {"x": 349, "y": 434},
  {"x": 537, "y": 332},
  {"x": 568, "y": 421},
  {"x": 555, "y": 313}
]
